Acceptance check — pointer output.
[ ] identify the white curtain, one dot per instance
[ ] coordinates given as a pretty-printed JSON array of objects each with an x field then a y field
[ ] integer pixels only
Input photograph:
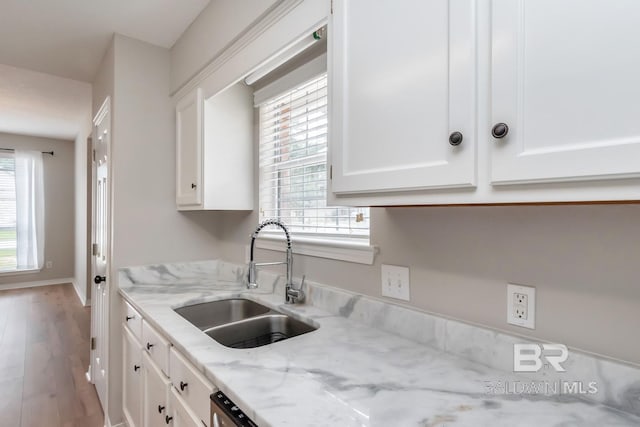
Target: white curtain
[{"x": 29, "y": 209}]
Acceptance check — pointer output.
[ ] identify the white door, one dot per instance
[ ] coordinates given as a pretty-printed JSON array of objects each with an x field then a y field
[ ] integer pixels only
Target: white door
[
  {"x": 155, "y": 394},
  {"x": 189, "y": 150},
  {"x": 565, "y": 82},
  {"x": 132, "y": 379},
  {"x": 181, "y": 415},
  {"x": 100, "y": 252},
  {"x": 402, "y": 95}
]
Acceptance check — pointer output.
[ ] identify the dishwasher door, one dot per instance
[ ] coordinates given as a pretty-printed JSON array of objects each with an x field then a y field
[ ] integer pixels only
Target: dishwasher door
[{"x": 224, "y": 413}]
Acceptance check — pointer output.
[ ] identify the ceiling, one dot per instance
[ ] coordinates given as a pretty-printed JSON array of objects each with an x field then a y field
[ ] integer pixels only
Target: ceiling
[
  {"x": 50, "y": 52},
  {"x": 68, "y": 38}
]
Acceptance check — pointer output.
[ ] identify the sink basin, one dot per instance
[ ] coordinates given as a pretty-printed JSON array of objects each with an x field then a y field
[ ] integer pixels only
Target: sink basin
[
  {"x": 259, "y": 331},
  {"x": 215, "y": 313}
]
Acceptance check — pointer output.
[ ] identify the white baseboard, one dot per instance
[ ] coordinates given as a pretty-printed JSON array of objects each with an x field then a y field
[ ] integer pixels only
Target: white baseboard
[
  {"x": 107, "y": 423},
  {"x": 83, "y": 300},
  {"x": 36, "y": 284}
]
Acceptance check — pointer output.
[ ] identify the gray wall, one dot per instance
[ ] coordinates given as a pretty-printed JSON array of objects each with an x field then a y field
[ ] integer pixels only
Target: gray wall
[
  {"x": 215, "y": 28},
  {"x": 59, "y": 206},
  {"x": 583, "y": 260}
]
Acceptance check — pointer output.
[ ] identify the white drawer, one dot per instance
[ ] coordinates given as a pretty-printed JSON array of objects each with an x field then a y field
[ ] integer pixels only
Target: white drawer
[
  {"x": 192, "y": 386},
  {"x": 156, "y": 346},
  {"x": 133, "y": 320}
]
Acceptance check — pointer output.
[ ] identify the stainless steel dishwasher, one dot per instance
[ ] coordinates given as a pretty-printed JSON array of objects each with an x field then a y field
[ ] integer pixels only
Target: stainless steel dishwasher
[{"x": 224, "y": 413}]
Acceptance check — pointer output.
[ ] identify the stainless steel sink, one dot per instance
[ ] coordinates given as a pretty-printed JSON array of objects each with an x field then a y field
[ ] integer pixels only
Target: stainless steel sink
[
  {"x": 259, "y": 331},
  {"x": 242, "y": 323},
  {"x": 215, "y": 313}
]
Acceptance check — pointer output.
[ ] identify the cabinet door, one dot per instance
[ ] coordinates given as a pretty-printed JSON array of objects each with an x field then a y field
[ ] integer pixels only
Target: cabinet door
[
  {"x": 156, "y": 394},
  {"x": 181, "y": 415},
  {"x": 189, "y": 150},
  {"x": 565, "y": 81},
  {"x": 402, "y": 80},
  {"x": 132, "y": 379}
]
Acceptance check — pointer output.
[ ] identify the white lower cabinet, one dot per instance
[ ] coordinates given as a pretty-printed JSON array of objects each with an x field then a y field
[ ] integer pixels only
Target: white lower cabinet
[
  {"x": 150, "y": 397},
  {"x": 155, "y": 392},
  {"x": 132, "y": 379}
]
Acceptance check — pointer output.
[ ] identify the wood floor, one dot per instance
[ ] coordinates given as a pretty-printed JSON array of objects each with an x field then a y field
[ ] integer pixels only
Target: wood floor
[{"x": 44, "y": 354}]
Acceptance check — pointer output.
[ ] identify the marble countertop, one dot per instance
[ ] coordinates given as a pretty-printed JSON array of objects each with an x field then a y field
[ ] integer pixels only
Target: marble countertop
[{"x": 345, "y": 373}]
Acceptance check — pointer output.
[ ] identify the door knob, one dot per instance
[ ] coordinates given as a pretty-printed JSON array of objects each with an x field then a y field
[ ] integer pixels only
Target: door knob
[
  {"x": 99, "y": 279},
  {"x": 500, "y": 130},
  {"x": 455, "y": 138}
]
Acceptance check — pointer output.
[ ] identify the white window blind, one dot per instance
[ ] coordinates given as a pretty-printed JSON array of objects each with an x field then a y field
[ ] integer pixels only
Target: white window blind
[
  {"x": 8, "y": 260},
  {"x": 293, "y": 165}
]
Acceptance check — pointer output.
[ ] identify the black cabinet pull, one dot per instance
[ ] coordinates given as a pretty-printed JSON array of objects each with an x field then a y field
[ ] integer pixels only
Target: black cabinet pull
[
  {"x": 149, "y": 345},
  {"x": 160, "y": 409},
  {"x": 183, "y": 385},
  {"x": 500, "y": 130},
  {"x": 456, "y": 138},
  {"x": 129, "y": 318},
  {"x": 167, "y": 419},
  {"x": 135, "y": 368},
  {"x": 193, "y": 185},
  {"x": 99, "y": 279}
]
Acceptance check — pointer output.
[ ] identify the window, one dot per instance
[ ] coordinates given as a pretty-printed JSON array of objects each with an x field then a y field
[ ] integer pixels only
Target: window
[
  {"x": 21, "y": 211},
  {"x": 8, "y": 260},
  {"x": 293, "y": 165}
]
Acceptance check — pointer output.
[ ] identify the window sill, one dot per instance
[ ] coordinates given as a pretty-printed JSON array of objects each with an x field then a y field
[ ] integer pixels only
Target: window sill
[
  {"x": 19, "y": 272},
  {"x": 338, "y": 249}
]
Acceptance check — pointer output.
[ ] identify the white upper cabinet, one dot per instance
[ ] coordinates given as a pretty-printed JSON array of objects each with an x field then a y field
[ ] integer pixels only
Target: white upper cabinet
[
  {"x": 189, "y": 150},
  {"x": 565, "y": 79},
  {"x": 402, "y": 89},
  {"x": 214, "y": 150}
]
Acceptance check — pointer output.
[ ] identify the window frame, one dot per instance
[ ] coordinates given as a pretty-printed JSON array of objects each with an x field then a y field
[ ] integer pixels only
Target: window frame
[{"x": 351, "y": 248}]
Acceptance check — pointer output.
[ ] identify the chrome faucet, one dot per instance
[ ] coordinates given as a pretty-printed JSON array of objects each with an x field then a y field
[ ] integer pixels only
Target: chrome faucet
[{"x": 292, "y": 295}]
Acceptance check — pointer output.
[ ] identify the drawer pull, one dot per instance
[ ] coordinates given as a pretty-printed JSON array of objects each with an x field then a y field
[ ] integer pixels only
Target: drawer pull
[
  {"x": 129, "y": 318},
  {"x": 167, "y": 419},
  {"x": 183, "y": 385},
  {"x": 149, "y": 345},
  {"x": 135, "y": 368},
  {"x": 160, "y": 409}
]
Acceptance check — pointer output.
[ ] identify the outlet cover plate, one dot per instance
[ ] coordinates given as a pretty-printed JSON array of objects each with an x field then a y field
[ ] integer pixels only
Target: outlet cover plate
[
  {"x": 521, "y": 305},
  {"x": 395, "y": 282}
]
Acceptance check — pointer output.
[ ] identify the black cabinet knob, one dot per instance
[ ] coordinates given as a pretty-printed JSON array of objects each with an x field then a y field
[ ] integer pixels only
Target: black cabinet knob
[
  {"x": 135, "y": 368},
  {"x": 99, "y": 279},
  {"x": 160, "y": 409},
  {"x": 183, "y": 386},
  {"x": 129, "y": 318},
  {"x": 193, "y": 185},
  {"x": 500, "y": 130},
  {"x": 167, "y": 419},
  {"x": 455, "y": 138},
  {"x": 149, "y": 345}
]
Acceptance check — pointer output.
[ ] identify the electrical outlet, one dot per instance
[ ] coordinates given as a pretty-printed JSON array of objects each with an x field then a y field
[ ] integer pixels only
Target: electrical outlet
[
  {"x": 395, "y": 282},
  {"x": 521, "y": 303},
  {"x": 49, "y": 264}
]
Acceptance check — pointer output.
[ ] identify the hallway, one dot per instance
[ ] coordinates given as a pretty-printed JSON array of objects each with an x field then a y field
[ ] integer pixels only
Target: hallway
[{"x": 44, "y": 354}]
